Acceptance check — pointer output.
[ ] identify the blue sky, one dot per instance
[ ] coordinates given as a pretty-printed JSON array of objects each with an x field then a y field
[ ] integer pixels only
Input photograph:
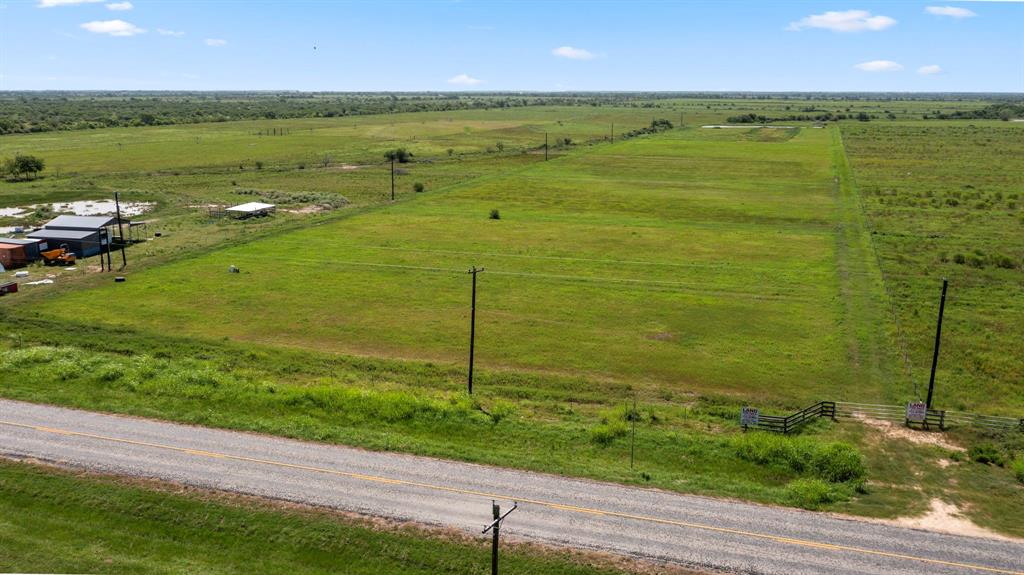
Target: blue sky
[{"x": 487, "y": 45}]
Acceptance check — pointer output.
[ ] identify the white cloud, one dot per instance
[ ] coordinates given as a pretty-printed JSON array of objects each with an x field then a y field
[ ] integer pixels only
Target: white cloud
[
  {"x": 573, "y": 53},
  {"x": 120, "y": 6},
  {"x": 52, "y": 3},
  {"x": 163, "y": 32},
  {"x": 848, "y": 21},
  {"x": 465, "y": 80},
  {"x": 113, "y": 27},
  {"x": 951, "y": 11},
  {"x": 879, "y": 66},
  {"x": 929, "y": 70},
  {"x": 215, "y": 42}
]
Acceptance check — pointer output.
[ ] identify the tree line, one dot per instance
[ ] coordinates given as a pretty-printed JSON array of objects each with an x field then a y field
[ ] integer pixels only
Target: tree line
[{"x": 45, "y": 112}]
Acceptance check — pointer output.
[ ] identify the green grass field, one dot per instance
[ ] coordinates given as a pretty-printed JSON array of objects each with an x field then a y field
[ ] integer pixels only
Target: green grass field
[
  {"x": 947, "y": 201},
  {"x": 674, "y": 262}
]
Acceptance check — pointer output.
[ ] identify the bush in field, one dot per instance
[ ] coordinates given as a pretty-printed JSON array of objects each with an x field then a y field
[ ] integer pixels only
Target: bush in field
[
  {"x": 809, "y": 493},
  {"x": 838, "y": 463},
  {"x": 495, "y": 215},
  {"x": 1018, "y": 468},
  {"x": 23, "y": 165},
  {"x": 986, "y": 453},
  {"x": 501, "y": 410},
  {"x": 832, "y": 462},
  {"x": 401, "y": 155},
  {"x": 605, "y": 433},
  {"x": 418, "y": 187}
]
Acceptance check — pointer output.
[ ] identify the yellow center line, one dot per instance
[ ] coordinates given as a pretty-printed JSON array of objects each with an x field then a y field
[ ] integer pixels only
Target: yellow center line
[{"x": 538, "y": 502}]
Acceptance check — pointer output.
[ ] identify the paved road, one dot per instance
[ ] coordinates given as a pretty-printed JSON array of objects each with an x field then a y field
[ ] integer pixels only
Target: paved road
[{"x": 689, "y": 530}]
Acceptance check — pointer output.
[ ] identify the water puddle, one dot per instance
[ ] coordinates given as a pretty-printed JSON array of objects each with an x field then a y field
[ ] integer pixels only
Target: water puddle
[{"x": 83, "y": 208}]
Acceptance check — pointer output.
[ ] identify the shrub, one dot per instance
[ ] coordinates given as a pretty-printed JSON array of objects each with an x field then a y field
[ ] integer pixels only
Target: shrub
[
  {"x": 418, "y": 187},
  {"x": 986, "y": 453},
  {"x": 1004, "y": 262},
  {"x": 606, "y": 433},
  {"x": 809, "y": 493},
  {"x": 402, "y": 155},
  {"x": 960, "y": 259},
  {"x": 832, "y": 462},
  {"x": 501, "y": 410},
  {"x": 838, "y": 463},
  {"x": 259, "y": 165},
  {"x": 495, "y": 215},
  {"x": 1018, "y": 469}
]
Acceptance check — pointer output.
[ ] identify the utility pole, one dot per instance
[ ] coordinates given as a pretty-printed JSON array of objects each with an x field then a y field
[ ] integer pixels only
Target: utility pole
[
  {"x": 120, "y": 230},
  {"x": 632, "y": 440},
  {"x": 472, "y": 327},
  {"x": 938, "y": 336},
  {"x": 392, "y": 178},
  {"x": 545, "y": 146},
  {"x": 494, "y": 527}
]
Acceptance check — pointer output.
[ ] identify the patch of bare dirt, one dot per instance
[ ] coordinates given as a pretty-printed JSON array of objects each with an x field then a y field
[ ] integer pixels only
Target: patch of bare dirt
[
  {"x": 896, "y": 431},
  {"x": 945, "y": 518},
  {"x": 346, "y": 168},
  {"x": 661, "y": 336},
  {"x": 314, "y": 209}
]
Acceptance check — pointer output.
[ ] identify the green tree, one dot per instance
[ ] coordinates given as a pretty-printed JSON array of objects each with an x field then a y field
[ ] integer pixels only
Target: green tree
[
  {"x": 401, "y": 155},
  {"x": 24, "y": 165}
]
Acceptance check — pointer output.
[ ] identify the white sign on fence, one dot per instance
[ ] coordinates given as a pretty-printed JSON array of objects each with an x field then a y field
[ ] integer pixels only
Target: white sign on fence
[
  {"x": 917, "y": 411},
  {"x": 749, "y": 416}
]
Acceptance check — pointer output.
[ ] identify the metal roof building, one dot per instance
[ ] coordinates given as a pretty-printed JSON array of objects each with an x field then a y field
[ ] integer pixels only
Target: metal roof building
[
  {"x": 83, "y": 235},
  {"x": 80, "y": 222}
]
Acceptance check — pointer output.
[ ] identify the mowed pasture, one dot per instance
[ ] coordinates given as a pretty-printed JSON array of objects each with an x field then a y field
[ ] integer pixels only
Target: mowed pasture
[
  {"x": 695, "y": 260},
  {"x": 947, "y": 200},
  {"x": 198, "y": 163}
]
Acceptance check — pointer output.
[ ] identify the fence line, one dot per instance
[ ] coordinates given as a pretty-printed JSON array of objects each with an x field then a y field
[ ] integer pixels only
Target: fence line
[
  {"x": 897, "y": 414},
  {"x": 893, "y": 413}
]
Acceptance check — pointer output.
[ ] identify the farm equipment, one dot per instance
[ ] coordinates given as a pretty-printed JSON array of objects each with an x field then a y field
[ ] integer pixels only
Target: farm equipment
[{"x": 58, "y": 257}]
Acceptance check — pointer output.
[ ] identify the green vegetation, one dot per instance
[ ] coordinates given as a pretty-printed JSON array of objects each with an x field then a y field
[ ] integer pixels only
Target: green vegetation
[
  {"x": 1001, "y": 111},
  {"x": 23, "y": 165},
  {"x": 945, "y": 200},
  {"x": 641, "y": 262},
  {"x": 567, "y": 426},
  {"x": 61, "y": 522}
]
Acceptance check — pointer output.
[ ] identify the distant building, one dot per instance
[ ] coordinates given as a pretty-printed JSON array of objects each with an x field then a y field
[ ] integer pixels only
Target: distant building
[{"x": 83, "y": 235}]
